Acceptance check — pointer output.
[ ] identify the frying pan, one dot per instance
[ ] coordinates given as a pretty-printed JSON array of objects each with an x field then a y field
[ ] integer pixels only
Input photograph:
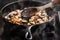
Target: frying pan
[{"x": 25, "y": 4}]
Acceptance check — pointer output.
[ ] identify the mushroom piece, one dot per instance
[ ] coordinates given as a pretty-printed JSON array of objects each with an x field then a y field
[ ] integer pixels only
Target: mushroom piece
[
  {"x": 45, "y": 19},
  {"x": 40, "y": 21},
  {"x": 28, "y": 23},
  {"x": 24, "y": 21}
]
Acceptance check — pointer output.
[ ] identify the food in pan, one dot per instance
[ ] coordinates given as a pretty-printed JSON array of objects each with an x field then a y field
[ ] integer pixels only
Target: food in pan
[{"x": 27, "y": 17}]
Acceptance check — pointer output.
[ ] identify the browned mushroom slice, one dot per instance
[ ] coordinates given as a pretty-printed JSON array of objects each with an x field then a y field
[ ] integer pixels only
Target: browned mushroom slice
[{"x": 28, "y": 23}]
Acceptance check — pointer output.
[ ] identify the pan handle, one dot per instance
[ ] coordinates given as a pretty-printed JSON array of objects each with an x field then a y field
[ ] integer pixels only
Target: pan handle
[{"x": 28, "y": 34}]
